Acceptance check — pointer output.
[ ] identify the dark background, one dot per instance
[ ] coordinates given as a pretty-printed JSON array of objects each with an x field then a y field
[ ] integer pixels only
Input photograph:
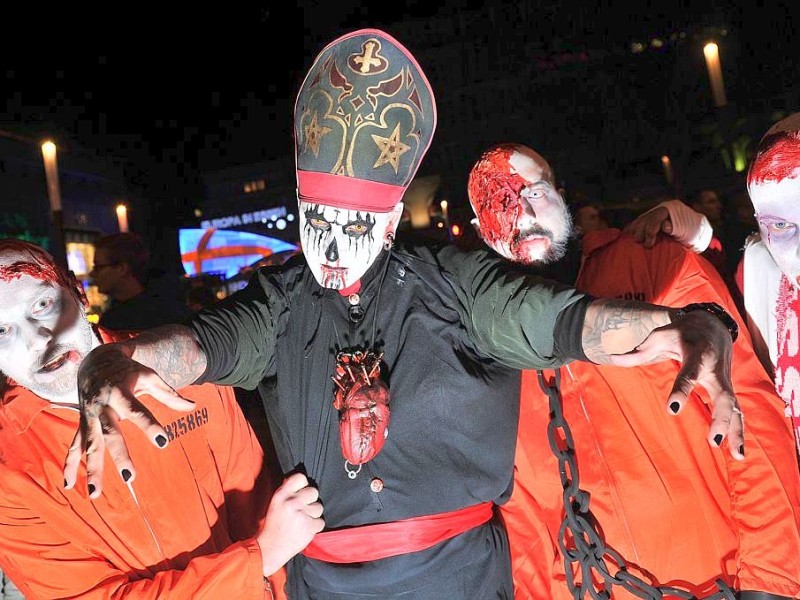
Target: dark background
[{"x": 172, "y": 92}]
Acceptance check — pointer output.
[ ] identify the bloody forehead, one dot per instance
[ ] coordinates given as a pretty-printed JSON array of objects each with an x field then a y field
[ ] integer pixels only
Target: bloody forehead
[
  {"x": 778, "y": 158},
  {"x": 33, "y": 261},
  {"x": 36, "y": 270},
  {"x": 495, "y": 193}
]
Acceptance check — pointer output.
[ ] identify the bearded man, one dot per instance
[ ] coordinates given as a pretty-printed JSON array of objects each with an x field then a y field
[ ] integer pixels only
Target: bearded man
[{"x": 677, "y": 511}]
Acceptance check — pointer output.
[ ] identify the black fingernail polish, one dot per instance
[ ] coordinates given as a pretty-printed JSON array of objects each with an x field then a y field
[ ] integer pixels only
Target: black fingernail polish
[
  {"x": 126, "y": 474},
  {"x": 161, "y": 440},
  {"x": 91, "y": 489},
  {"x": 718, "y": 439},
  {"x": 675, "y": 407},
  {"x": 741, "y": 450}
]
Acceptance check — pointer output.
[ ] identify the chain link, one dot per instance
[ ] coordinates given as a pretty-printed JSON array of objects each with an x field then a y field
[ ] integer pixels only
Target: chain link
[{"x": 579, "y": 540}]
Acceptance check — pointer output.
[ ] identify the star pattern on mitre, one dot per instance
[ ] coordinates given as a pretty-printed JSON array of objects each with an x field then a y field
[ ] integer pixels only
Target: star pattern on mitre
[
  {"x": 314, "y": 134},
  {"x": 391, "y": 149}
]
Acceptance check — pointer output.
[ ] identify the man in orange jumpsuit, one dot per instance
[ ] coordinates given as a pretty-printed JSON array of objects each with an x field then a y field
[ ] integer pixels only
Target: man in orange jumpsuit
[
  {"x": 678, "y": 513},
  {"x": 193, "y": 525}
]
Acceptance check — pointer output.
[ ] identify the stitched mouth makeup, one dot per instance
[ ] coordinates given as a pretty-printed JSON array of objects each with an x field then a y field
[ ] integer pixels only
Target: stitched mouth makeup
[{"x": 333, "y": 277}]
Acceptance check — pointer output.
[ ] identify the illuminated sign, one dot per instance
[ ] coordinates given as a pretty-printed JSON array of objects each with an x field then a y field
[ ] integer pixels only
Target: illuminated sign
[
  {"x": 249, "y": 218},
  {"x": 226, "y": 252}
]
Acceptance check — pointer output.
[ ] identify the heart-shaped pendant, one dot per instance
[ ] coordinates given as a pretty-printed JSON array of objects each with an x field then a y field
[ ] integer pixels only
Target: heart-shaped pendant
[{"x": 362, "y": 399}]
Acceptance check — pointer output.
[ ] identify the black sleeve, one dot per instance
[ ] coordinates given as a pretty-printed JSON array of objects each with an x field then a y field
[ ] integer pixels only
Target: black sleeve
[
  {"x": 569, "y": 327},
  {"x": 238, "y": 333}
]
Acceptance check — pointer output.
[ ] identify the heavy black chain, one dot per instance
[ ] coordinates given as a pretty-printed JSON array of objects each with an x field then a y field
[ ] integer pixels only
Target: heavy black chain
[{"x": 578, "y": 537}]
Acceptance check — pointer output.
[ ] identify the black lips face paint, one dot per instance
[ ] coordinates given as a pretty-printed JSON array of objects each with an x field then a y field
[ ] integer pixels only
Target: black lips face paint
[{"x": 340, "y": 244}]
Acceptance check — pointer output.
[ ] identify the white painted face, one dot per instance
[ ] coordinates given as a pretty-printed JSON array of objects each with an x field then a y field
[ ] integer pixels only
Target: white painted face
[
  {"x": 44, "y": 334},
  {"x": 777, "y": 206},
  {"x": 773, "y": 182},
  {"x": 341, "y": 244}
]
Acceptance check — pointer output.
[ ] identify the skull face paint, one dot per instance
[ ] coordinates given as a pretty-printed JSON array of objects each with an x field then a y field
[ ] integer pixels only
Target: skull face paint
[
  {"x": 773, "y": 183},
  {"x": 521, "y": 214},
  {"x": 341, "y": 244}
]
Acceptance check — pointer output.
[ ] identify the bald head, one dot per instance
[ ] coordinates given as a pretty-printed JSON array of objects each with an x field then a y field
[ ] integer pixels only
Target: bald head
[{"x": 521, "y": 214}]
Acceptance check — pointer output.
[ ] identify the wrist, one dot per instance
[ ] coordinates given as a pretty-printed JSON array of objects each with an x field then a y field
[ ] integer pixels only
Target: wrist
[{"x": 711, "y": 308}]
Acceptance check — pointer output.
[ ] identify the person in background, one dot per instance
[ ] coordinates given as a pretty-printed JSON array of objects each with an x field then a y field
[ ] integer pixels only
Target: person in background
[
  {"x": 740, "y": 224},
  {"x": 678, "y": 512},
  {"x": 706, "y": 201},
  {"x": 121, "y": 271},
  {"x": 196, "y": 523},
  {"x": 397, "y": 366},
  {"x": 588, "y": 217}
]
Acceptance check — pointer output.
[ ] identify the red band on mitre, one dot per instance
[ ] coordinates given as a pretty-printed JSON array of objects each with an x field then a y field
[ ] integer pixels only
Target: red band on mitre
[{"x": 347, "y": 192}]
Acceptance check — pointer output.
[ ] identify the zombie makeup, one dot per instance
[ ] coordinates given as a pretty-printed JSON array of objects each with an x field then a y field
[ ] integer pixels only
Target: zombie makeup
[
  {"x": 37, "y": 263},
  {"x": 44, "y": 335},
  {"x": 773, "y": 183},
  {"x": 521, "y": 214},
  {"x": 341, "y": 244}
]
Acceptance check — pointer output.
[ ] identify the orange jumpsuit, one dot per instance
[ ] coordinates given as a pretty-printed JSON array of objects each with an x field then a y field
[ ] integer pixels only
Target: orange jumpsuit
[
  {"x": 679, "y": 511},
  {"x": 184, "y": 528}
]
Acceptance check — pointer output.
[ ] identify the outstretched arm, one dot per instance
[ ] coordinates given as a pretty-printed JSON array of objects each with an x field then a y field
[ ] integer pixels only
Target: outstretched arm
[
  {"x": 527, "y": 322},
  {"x": 110, "y": 380},
  {"x": 627, "y": 334}
]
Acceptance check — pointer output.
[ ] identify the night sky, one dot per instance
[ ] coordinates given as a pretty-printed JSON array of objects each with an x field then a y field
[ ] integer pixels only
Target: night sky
[{"x": 172, "y": 93}]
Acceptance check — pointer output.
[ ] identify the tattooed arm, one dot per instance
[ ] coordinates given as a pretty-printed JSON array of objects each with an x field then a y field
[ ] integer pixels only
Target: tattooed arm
[
  {"x": 110, "y": 380},
  {"x": 232, "y": 343},
  {"x": 628, "y": 334},
  {"x": 171, "y": 351},
  {"x": 614, "y": 327}
]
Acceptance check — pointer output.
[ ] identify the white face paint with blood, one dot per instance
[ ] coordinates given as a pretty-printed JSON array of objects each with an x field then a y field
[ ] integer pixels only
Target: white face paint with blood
[
  {"x": 340, "y": 244},
  {"x": 44, "y": 334},
  {"x": 774, "y": 186}
]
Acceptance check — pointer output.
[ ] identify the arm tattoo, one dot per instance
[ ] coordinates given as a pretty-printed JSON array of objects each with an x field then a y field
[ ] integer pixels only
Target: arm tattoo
[
  {"x": 171, "y": 351},
  {"x": 619, "y": 326}
]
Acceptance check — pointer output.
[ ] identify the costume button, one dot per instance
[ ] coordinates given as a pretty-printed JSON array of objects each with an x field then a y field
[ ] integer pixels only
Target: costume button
[
  {"x": 376, "y": 485},
  {"x": 354, "y": 299}
]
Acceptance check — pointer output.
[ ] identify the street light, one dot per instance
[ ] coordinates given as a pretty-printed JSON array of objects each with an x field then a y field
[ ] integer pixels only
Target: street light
[
  {"x": 666, "y": 163},
  {"x": 122, "y": 217},
  {"x": 54, "y": 193},
  {"x": 711, "y": 52}
]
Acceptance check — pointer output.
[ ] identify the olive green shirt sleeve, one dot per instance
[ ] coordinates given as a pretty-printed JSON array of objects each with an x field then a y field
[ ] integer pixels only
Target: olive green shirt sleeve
[
  {"x": 238, "y": 334},
  {"x": 521, "y": 320}
]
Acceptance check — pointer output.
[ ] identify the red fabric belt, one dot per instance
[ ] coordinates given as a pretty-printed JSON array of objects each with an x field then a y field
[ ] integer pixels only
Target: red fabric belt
[{"x": 381, "y": 540}]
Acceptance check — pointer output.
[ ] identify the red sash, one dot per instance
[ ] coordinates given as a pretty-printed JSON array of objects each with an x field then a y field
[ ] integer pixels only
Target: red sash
[{"x": 381, "y": 540}]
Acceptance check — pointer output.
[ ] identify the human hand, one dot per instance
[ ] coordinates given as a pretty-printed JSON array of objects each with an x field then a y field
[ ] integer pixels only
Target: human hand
[
  {"x": 703, "y": 345},
  {"x": 294, "y": 517},
  {"x": 109, "y": 385},
  {"x": 645, "y": 228}
]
